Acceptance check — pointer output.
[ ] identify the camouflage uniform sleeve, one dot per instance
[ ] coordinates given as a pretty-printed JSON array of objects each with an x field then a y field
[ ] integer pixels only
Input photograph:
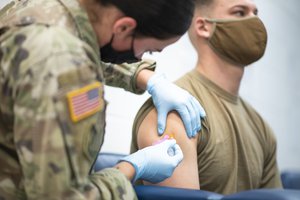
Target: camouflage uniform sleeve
[
  {"x": 44, "y": 66},
  {"x": 125, "y": 75}
]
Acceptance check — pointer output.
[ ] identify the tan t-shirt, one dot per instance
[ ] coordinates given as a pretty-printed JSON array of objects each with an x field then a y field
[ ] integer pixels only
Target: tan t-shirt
[{"x": 236, "y": 148}]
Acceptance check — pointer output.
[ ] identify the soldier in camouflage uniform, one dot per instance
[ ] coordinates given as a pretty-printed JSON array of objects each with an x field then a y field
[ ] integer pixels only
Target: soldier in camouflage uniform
[{"x": 52, "y": 110}]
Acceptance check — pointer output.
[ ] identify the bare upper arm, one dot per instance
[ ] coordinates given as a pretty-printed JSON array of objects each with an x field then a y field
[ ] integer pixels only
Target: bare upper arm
[{"x": 186, "y": 174}]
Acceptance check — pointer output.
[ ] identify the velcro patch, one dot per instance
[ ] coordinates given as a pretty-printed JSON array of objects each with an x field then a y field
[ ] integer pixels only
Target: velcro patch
[{"x": 85, "y": 101}]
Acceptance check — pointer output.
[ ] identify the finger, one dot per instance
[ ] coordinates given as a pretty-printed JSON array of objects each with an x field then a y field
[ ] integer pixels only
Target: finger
[
  {"x": 185, "y": 117},
  {"x": 199, "y": 108},
  {"x": 161, "y": 121},
  {"x": 197, "y": 118},
  {"x": 194, "y": 118},
  {"x": 171, "y": 151},
  {"x": 178, "y": 153},
  {"x": 168, "y": 143}
]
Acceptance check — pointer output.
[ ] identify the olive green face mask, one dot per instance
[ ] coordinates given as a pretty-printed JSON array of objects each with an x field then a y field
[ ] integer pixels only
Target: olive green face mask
[{"x": 239, "y": 41}]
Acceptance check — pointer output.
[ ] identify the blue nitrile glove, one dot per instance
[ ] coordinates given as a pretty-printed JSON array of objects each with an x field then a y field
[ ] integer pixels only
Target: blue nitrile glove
[
  {"x": 154, "y": 163},
  {"x": 167, "y": 97}
]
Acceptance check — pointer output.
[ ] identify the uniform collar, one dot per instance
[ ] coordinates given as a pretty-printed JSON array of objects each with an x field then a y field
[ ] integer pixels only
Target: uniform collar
[{"x": 215, "y": 88}]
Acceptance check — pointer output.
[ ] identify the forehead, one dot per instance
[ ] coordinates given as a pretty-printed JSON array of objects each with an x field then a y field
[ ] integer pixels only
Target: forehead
[{"x": 227, "y": 4}]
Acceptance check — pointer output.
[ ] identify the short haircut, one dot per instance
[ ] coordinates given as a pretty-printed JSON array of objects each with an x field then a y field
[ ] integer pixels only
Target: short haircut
[{"x": 203, "y": 2}]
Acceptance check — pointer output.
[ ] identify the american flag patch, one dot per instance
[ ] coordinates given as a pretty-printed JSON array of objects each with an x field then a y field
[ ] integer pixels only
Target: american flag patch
[{"x": 85, "y": 101}]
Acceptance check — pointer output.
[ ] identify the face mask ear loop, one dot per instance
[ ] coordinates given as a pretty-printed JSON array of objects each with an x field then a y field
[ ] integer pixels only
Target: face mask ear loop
[
  {"x": 213, "y": 29},
  {"x": 212, "y": 34}
]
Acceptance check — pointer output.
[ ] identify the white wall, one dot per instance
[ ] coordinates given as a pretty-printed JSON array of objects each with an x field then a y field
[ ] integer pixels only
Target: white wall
[{"x": 270, "y": 85}]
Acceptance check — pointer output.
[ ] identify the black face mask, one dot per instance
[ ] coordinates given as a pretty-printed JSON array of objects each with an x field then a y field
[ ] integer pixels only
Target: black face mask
[{"x": 109, "y": 55}]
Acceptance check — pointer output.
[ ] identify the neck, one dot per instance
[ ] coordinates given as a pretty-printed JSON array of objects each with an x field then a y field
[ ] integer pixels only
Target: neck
[{"x": 224, "y": 74}]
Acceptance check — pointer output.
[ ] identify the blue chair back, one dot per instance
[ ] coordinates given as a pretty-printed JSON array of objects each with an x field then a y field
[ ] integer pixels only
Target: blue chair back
[
  {"x": 291, "y": 179},
  {"x": 265, "y": 194},
  {"x": 147, "y": 192}
]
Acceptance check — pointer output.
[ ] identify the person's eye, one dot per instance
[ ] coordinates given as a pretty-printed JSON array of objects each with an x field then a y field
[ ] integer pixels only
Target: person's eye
[{"x": 239, "y": 13}]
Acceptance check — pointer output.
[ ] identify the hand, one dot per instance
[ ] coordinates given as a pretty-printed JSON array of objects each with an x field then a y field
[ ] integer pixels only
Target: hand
[
  {"x": 167, "y": 97},
  {"x": 154, "y": 164}
]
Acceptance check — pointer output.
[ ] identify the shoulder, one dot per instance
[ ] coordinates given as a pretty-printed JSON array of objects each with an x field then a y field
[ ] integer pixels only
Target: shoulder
[
  {"x": 194, "y": 83},
  {"x": 143, "y": 118},
  {"x": 185, "y": 81},
  {"x": 252, "y": 113},
  {"x": 32, "y": 45},
  {"x": 39, "y": 56},
  {"x": 265, "y": 131},
  {"x": 22, "y": 13},
  {"x": 46, "y": 39},
  {"x": 147, "y": 132}
]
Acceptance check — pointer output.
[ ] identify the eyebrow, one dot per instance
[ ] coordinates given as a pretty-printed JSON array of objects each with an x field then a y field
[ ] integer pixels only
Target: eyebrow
[{"x": 246, "y": 7}]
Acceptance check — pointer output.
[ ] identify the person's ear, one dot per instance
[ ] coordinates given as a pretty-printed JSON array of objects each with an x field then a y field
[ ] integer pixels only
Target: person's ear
[
  {"x": 202, "y": 27},
  {"x": 124, "y": 26}
]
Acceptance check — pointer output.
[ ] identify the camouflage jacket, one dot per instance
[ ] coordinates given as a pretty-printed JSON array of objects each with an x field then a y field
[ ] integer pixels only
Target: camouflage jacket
[{"x": 52, "y": 109}]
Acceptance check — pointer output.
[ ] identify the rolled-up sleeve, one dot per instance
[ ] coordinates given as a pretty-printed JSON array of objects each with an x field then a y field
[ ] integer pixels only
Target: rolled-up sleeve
[{"x": 125, "y": 75}]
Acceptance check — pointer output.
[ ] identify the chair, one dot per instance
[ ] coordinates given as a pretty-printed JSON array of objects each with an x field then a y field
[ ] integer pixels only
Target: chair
[
  {"x": 265, "y": 194},
  {"x": 291, "y": 179},
  {"x": 146, "y": 192}
]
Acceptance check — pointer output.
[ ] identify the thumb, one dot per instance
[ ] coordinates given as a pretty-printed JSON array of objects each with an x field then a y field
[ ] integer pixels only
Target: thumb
[
  {"x": 161, "y": 121},
  {"x": 178, "y": 156},
  {"x": 200, "y": 108},
  {"x": 168, "y": 143}
]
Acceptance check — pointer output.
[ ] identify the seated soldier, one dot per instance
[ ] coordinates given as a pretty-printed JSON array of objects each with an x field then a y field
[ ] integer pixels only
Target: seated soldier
[{"x": 236, "y": 149}]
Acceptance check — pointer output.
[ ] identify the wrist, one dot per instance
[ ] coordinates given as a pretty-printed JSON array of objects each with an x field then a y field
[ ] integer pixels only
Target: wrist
[
  {"x": 136, "y": 163},
  {"x": 156, "y": 78},
  {"x": 127, "y": 169},
  {"x": 143, "y": 78}
]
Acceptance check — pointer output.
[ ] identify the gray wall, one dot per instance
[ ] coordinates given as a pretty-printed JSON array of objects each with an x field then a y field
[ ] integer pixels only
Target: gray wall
[{"x": 270, "y": 85}]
